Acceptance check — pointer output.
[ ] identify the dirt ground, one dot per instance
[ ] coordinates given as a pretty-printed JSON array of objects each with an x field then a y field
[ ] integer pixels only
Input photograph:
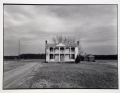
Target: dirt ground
[{"x": 14, "y": 71}]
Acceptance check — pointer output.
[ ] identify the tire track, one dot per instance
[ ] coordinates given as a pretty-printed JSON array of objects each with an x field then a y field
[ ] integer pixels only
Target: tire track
[{"x": 13, "y": 76}]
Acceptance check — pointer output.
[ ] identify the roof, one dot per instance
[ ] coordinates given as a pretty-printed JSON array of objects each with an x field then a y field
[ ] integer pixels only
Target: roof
[
  {"x": 50, "y": 45},
  {"x": 61, "y": 44},
  {"x": 88, "y": 55},
  {"x": 73, "y": 45}
]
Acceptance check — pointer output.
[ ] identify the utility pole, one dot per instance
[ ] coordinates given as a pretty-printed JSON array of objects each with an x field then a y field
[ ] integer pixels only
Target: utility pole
[{"x": 19, "y": 49}]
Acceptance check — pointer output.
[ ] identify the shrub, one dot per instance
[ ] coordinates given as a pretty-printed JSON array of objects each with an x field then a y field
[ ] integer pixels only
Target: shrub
[{"x": 77, "y": 60}]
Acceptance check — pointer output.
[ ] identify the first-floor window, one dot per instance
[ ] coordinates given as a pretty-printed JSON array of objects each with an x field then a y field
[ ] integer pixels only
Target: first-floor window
[
  {"x": 51, "y": 56},
  {"x": 72, "y": 56},
  {"x": 73, "y": 49}
]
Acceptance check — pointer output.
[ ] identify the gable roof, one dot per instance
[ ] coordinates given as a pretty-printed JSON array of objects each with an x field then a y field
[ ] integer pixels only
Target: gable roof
[
  {"x": 61, "y": 44},
  {"x": 88, "y": 55},
  {"x": 91, "y": 56}
]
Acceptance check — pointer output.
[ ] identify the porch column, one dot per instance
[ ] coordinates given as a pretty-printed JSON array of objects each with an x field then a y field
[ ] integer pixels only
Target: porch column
[
  {"x": 53, "y": 52},
  {"x": 64, "y": 53},
  {"x": 59, "y": 54},
  {"x": 70, "y": 53}
]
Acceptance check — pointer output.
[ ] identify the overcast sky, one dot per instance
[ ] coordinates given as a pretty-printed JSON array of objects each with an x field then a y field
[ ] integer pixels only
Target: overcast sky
[{"x": 94, "y": 25}]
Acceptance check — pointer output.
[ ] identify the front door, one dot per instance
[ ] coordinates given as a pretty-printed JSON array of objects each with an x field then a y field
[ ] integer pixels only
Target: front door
[
  {"x": 62, "y": 58},
  {"x": 57, "y": 58}
]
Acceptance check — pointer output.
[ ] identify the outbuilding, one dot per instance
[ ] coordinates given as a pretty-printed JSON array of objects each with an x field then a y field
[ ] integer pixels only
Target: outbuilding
[{"x": 89, "y": 58}]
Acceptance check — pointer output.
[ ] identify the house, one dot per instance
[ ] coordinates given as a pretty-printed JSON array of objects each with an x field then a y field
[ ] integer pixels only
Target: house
[
  {"x": 61, "y": 52},
  {"x": 89, "y": 57}
]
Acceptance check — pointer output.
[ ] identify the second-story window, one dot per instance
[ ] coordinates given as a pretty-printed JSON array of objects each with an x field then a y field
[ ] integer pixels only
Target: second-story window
[
  {"x": 72, "y": 49},
  {"x": 62, "y": 49},
  {"x": 67, "y": 49},
  {"x": 51, "y": 49}
]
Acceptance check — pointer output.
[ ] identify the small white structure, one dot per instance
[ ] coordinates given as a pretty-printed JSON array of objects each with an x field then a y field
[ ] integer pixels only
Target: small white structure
[{"x": 61, "y": 52}]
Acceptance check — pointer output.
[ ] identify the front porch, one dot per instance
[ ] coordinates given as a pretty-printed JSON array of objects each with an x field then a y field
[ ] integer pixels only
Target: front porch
[{"x": 62, "y": 57}]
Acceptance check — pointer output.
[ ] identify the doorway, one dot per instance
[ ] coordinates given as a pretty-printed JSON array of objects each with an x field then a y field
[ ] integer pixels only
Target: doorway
[
  {"x": 62, "y": 57},
  {"x": 57, "y": 58}
]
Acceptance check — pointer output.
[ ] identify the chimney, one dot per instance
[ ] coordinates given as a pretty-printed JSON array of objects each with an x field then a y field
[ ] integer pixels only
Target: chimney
[
  {"x": 77, "y": 42},
  {"x": 46, "y": 42}
]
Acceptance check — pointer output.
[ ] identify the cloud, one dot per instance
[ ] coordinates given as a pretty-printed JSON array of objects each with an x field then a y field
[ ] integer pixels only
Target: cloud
[{"x": 94, "y": 25}]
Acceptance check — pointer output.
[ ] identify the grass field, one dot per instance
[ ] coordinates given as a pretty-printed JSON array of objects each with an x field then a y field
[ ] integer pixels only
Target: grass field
[
  {"x": 10, "y": 65},
  {"x": 13, "y": 64},
  {"x": 99, "y": 74}
]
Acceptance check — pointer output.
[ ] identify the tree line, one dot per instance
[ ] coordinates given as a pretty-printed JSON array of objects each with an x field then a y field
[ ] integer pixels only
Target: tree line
[
  {"x": 106, "y": 57},
  {"x": 42, "y": 56},
  {"x": 26, "y": 56}
]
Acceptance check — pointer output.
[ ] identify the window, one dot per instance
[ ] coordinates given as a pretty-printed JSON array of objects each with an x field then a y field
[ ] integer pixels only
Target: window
[
  {"x": 72, "y": 56},
  {"x": 62, "y": 49},
  {"x": 67, "y": 49},
  {"x": 51, "y": 49},
  {"x": 73, "y": 49},
  {"x": 51, "y": 56}
]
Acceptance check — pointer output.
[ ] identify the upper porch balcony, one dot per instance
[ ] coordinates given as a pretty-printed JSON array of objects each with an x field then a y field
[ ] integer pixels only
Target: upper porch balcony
[{"x": 62, "y": 50}]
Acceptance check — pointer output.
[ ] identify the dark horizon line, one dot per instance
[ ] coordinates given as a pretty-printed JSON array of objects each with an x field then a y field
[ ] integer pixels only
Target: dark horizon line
[{"x": 44, "y": 53}]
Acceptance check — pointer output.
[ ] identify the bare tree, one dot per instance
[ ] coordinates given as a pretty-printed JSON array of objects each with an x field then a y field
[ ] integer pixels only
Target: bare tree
[
  {"x": 60, "y": 39},
  {"x": 66, "y": 40}
]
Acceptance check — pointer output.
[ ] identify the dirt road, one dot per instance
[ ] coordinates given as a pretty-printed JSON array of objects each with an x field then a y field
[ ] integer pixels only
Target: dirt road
[{"x": 15, "y": 75}]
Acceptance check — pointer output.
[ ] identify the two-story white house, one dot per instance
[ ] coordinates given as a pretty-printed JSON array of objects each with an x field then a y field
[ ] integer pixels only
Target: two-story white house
[{"x": 61, "y": 52}]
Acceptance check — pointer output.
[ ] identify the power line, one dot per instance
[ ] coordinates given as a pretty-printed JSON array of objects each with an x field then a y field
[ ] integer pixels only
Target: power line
[{"x": 19, "y": 49}]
